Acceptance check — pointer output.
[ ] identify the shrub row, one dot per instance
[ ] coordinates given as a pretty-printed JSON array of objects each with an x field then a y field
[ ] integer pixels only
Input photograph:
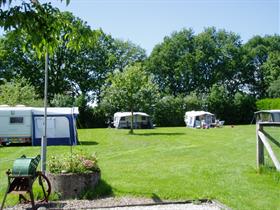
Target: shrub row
[{"x": 268, "y": 103}]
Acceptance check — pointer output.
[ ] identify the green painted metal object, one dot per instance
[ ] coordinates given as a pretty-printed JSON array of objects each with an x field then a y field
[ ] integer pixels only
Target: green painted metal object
[{"x": 25, "y": 166}]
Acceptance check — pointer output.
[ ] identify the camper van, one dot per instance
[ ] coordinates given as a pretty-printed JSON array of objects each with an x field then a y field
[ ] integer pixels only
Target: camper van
[
  {"x": 26, "y": 125},
  {"x": 268, "y": 116},
  {"x": 140, "y": 120},
  {"x": 199, "y": 119}
]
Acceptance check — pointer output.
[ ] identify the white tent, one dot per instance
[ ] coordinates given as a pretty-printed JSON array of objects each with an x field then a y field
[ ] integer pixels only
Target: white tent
[
  {"x": 198, "y": 119},
  {"x": 140, "y": 120}
]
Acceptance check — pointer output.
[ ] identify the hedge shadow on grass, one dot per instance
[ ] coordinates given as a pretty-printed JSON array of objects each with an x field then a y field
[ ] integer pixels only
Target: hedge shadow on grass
[
  {"x": 88, "y": 143},
  {"x": 159, "y": 134},
  {"x": 101, "y": 190},
  {"x": 17, "y": 145}
]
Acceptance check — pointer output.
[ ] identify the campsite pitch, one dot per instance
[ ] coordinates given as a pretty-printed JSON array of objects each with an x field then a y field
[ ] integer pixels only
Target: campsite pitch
[{"x": 172, "y": 164}]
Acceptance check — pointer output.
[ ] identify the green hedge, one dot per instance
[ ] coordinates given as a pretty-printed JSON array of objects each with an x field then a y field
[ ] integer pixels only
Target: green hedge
[{"x": 268, "y": 103}]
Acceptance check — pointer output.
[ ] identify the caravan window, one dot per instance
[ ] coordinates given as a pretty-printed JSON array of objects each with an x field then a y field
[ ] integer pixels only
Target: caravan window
[
  {"x": 144, "y": 118},
  {"x": 16, "y": 120},
  {"x": 122, "y": 118}
]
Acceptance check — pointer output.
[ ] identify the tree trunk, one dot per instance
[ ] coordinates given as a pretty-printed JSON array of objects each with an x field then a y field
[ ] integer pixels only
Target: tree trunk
[{"x": 131, "y": 123}]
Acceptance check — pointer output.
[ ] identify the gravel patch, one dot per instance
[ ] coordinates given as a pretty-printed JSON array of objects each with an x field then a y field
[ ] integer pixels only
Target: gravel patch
[
  {"x": 123, "y": 203},
  {"x": 187, "y": 206}
]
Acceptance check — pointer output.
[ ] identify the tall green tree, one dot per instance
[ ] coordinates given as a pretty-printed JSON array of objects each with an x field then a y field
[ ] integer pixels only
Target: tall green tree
[
  {"x": 75, "y": 71},
  {"x": 217, "y": 60},
  {"x": 262, "y": 63},
  {"x": 171, "y": 63},
  {"x": 126, "y": 53},
  {"x": 185, "y": 62},
  {"x": 131, "y": 90}
]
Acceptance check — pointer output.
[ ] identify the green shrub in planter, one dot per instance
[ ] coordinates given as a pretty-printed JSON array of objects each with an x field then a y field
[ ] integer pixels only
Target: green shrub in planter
[
  {"x": 72, "y": 175},
  {"x": 74, "y": 163}
]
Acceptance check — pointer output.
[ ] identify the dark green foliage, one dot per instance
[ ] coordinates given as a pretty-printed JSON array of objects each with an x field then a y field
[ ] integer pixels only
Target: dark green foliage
[
  {"x": 170, "y": 110},
  {"x": 69, "y": 71},
  {"x": 268, "y": 103},
  {"x": 92, "y": 117},
  {"x": 126, "y": 53},
  {"x": 100, "y": 119},
  {"x": 171, "y": 63},
  {"x": 244, "y": 108},
  {"x": 237, "y": 109},
  {"x": 185, "y": 62},
  {"x": 229, "y": 76},
  {"x": 262, "y": 63},
  {"x": 40, "y": 24},
  {"x": 60, "y": 100},
  {"x": 220, "y": 103}
]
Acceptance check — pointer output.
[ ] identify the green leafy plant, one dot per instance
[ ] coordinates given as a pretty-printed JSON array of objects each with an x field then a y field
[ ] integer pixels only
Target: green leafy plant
[{"x": 74, "y": 163}]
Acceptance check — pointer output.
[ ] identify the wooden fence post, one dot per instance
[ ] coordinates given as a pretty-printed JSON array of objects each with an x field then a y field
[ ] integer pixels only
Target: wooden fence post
[{"x": 260, "y": 147}]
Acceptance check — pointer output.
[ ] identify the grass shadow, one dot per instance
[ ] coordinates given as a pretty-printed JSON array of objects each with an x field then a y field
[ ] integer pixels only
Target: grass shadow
[
  {"x": 101, "y": 190},
  {"x": 158, "y": 134},
  {"x": 17, "y": 145},
  {"x": 87, "y": 143},
  {"x": 50, "y": 205},
  {"x": 156, "y": 198}
]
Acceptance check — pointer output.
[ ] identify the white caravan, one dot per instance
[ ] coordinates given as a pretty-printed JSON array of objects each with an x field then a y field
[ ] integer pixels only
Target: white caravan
[
  {"x": 26, "y": 125},
  {"x": 140, "y": 120},
  {"x": 15, "y": 125}
]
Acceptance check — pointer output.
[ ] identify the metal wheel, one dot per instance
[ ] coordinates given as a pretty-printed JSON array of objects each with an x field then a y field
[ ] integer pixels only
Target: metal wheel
[
  {"x": 41, "y": 190},
  {"x": 45, "y": 185}
]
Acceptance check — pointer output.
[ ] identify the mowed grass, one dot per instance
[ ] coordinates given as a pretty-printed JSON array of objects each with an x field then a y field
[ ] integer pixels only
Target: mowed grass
[{"x": 174, "y": 163}]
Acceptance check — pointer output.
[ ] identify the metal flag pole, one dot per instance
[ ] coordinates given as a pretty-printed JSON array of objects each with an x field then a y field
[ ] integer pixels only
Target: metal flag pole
[{"x": 44, "y": 137}]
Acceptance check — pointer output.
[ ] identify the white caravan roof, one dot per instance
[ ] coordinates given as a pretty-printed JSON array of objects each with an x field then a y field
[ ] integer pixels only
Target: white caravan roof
[
  {"x": 56, "y": 110},
  {"x": 197, "y": 113},
  {"x": 125, "y": 114},
  {"x": 41, "y": 110}
]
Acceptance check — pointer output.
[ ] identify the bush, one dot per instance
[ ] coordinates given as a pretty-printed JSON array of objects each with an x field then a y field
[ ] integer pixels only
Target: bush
[
  {"x": 74, "y": 163},
  {"x": 244, "y": 108},
  {"x": 19, "y": 91},
  {"x": 268, "y": 103},
  {"x": 169, "y": 111}
]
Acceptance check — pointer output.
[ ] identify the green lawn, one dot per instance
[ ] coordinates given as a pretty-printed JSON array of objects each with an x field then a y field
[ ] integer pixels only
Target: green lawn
[{"x": 174, "y": 163}]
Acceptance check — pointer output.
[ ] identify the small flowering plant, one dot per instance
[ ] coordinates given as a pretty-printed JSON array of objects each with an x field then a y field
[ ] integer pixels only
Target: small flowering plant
[{"x": 74, "y": 163}]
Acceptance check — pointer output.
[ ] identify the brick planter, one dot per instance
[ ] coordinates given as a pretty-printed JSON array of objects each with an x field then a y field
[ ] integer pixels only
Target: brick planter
[{"x": 72, "y": 185}]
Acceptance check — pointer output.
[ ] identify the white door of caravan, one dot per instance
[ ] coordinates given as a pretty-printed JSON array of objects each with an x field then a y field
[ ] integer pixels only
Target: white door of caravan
[{"x": 57, "y": 127}]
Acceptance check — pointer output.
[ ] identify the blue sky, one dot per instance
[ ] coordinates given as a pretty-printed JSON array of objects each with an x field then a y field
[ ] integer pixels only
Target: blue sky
[{"x": 146, "y": 22}]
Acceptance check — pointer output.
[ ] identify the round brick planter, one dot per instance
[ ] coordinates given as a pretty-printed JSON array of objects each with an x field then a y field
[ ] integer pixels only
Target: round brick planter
[{"x": 72, "y": 185}]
